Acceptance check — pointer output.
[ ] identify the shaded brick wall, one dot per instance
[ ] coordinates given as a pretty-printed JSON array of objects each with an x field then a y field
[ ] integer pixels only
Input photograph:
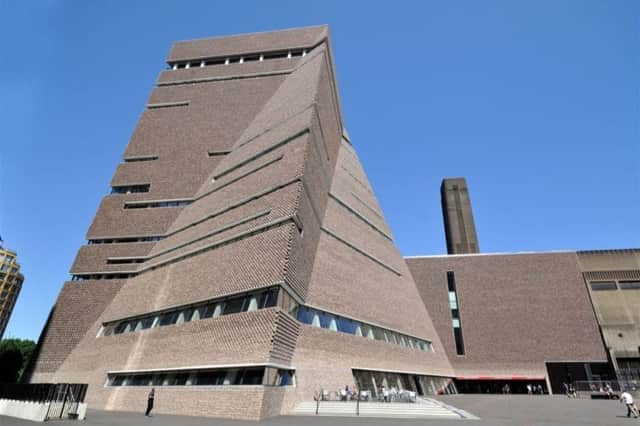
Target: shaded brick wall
[
  {"x": 78, "y": 306},
  {"x": 517, "y": 311}
]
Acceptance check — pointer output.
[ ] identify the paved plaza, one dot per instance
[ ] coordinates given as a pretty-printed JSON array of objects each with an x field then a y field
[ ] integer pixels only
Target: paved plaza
[{"x": 491, "y": 409}]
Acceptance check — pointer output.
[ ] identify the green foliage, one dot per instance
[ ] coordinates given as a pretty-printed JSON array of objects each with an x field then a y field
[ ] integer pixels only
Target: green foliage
[{"x": 14, "y": 356}]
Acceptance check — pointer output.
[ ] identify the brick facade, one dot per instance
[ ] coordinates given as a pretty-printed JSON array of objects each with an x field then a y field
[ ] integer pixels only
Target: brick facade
[{"x": 253, "y": 183}]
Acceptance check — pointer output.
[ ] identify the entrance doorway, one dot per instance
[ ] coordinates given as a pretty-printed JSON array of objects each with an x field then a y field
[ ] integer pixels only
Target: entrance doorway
[{"x": 419, "y": 389}]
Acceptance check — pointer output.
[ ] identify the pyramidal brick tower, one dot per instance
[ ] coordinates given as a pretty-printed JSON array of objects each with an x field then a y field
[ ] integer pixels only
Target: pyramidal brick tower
[{"x": 241, "y": 262}]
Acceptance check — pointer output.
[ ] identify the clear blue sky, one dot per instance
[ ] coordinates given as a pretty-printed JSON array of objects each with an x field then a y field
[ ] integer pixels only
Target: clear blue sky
[{"x": 536, "y": 103}]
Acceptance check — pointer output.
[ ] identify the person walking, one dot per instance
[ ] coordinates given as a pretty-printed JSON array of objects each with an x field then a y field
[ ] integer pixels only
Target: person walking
[
  {"x": 609, "y": 390},
  {"x": 627, "y": 399},
  {"x": 529, "y": 388},
  {"x": 151, "y": 396}
]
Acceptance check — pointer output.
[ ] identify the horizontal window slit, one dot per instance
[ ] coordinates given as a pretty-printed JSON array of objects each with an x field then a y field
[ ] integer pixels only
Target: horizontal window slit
[{"x": 130, "y": 189}]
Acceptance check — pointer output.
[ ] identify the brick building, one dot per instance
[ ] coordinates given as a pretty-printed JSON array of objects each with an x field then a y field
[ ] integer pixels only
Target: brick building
[
  {"x": 529, "y": 318},
  {"x": 241, "y": 262},
  {"x": 10, "y": 285}
]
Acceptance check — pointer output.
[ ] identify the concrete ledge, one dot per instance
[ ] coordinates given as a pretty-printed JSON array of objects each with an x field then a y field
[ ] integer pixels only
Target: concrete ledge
[{"x": 34, "y": 411}]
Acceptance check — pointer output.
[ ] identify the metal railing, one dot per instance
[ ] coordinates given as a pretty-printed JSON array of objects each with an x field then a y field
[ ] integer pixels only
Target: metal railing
[
  {"x": 362, "y": 396},
  {"x": 606, "y": 388},
  {"x": 63, "y": 398}
]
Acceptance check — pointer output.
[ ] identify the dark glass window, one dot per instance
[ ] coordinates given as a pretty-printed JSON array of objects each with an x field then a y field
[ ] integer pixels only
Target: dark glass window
[
  {"x": 378, "y": 334},
  {"x": 457, "y": 333},
  {"x": 326, "y": 320},
  {"x": 180, "y": 379},
  {"x": 233, "y": 306},
  {"x": 603, "y": 285},
  {"x": 284, "y": 378},
  {"x": 346, "y": 325},
  {"x": 451, "y": 281},
  {"x": 629, "y": 285},
  {"x": 208, "y": 311},
  {"x": 455, "y": 312},
  {"x": 168, "y": 318},
  {"x": 117, "y": 380},
  {"x": 130, "y": 189},
  {"x": 158, "y": 379},
  {"x": 269, "y": 298},
  {"x": 146, "y": 323},
  {"x": 303, "y": 315},
  {"x": 252, "y": 376},
  {"x": 120, "y": 328},
  {"x": 185, "y": 315},
  {"x": 140, "y": 380}
]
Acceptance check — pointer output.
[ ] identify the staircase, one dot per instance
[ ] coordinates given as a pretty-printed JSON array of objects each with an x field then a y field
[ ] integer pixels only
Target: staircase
[{"x": 422, "y": 408}]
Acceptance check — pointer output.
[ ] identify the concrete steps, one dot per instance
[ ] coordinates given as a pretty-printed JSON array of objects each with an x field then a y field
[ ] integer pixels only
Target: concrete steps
[{"x": 423, "y": 408}]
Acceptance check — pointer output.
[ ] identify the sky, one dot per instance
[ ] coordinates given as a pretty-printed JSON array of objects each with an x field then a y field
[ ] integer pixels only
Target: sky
[{"x": 536, "y": 103}]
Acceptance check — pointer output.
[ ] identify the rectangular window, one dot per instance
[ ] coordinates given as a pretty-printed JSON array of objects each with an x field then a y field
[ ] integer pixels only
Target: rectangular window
[
  {"x": 130, "y": 189},
  {"x": 629, "y": 285},
  {"x": 453, "y": 300},
  {"x": 252, "y": 376},
  {"x": 457, "y": 333},
  {"x": 140, "y": 158},
  {"x": 233, "y": 306},
  {"x": 269, "y": 298},
  {"x": 451, "y": 281},
  {"x": 455, "y": 312},
  {"x": 603, "y": 285},
  {"x": 168, "y": 318}
]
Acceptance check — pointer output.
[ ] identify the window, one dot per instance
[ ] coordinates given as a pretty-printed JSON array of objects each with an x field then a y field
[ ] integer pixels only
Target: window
[
  {"x": 210, "y": 378},
  {"x": 141, "y": 158},
  {"x": 457, "y": 333},
  {"x": 288, "y": 303},
  {"x": 378, "y": 334},
  {"x": 453, "y": 300},
  {"x": 230, "y": 377},
  {"x": 123, "y": 261},
  {"x": 603, "y": 285},
  {"x": 219, "y": 377},
  {"x": 156, "y": 204},
  {"x": 391, "y": 337},
  {"x": 125, "y": 240},
  {"x": 251, "y": 302},
  {"x": 168, "y": 318},
  {"x": 238, "y": 59},
  {"x": 130, "y": 189},
  {"x": 455, "y": 312},
  {"x": 184, "y": 316},
  {"x": 333, "y": 322},
  {"x": 269, "y": 298},
  {"x": 217, "y": 310},
  {"x": 233, "y": 306},
  {"x": 346, "y": 325},
  {"x": 315, "y": 319},
  {"x": 252, "y": 376},
  {"x": 628, "y": 285}
]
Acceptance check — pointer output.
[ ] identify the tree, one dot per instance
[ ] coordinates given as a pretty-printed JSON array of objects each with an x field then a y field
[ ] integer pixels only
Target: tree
[{"x": 14, "y": 356}]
